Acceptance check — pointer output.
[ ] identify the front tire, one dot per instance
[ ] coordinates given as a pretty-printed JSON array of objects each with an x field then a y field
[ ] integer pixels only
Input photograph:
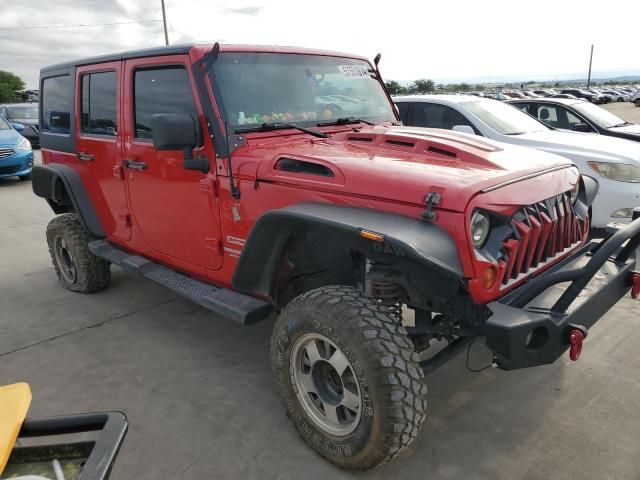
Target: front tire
[
  {"x": 637, "y": 102},
  {"x": 77, "y": 268},
  {"x": 348, "y": 377}
]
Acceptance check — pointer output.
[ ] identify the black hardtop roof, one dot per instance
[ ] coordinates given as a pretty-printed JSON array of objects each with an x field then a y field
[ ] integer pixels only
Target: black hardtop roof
[{"x": 112, "y": 57}]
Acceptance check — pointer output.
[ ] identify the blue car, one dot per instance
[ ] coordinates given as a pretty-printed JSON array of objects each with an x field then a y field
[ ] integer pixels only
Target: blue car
[{"x": 16, "y": 156}]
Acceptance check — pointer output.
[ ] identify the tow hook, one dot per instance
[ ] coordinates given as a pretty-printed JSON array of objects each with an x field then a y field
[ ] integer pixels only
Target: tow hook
[
  {"x": 635, "y": 284},
  {"x": 576, "y": 339}
]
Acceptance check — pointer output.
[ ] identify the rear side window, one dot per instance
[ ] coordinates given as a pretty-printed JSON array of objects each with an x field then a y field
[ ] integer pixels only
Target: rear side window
[
  {"x": 57, "y": 104},
  {"x": 161, "y": 90},
  {"x": 99, "y": 104}
]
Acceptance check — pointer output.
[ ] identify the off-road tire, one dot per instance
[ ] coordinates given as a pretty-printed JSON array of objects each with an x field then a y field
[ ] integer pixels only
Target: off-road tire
[
  {"x": 391, "y": 382},
  {"x": 91, "y": 274}
]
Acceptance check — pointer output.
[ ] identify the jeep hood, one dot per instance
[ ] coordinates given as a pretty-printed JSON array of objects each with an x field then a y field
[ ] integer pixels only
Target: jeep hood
[
  {"x": 398, "y": 164},
  {"x": 587, "y": 146}
]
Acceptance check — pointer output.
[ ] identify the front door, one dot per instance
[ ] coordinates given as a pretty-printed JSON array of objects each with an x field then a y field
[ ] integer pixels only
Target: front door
[
  {"x": 175, "y": 210},
  {"x": 99, "y": 145}
]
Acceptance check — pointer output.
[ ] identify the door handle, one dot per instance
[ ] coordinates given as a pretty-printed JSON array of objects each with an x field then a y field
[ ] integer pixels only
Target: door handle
[
  {"x": 135, "y": 165},
  {"x": 85, "y": 157}
]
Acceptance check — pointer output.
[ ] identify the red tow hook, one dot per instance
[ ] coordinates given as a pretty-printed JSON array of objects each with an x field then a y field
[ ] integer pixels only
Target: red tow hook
[
  {"x": 576, "y": 338},
  {"x": 635, "y": 284}
]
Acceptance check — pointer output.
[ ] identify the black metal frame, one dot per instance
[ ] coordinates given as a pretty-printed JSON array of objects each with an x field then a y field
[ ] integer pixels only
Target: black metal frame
[
  {"x": 523, "y": 331},
  {"x": 111, "y": 425}
]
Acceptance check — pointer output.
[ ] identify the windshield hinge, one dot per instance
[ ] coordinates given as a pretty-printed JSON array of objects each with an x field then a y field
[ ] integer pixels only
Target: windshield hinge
[{"x": 432, "y": 199}]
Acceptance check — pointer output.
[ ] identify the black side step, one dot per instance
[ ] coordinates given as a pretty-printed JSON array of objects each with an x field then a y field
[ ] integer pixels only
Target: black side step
[{"x": 228, "y": 303}]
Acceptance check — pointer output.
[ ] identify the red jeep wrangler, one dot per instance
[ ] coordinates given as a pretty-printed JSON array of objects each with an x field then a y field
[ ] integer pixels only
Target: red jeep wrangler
[{"x": 254, "y": 180}]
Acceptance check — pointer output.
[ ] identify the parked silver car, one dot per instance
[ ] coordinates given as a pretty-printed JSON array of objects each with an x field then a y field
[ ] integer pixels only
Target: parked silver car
[{"x": 613, "y": 162}]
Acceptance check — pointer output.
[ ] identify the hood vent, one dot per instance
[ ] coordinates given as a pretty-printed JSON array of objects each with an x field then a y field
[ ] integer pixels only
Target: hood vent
[
  {"x": 400, "y": 143},
  {"x": 441, "y": 151},
  {"x": 360, "y": 139},
  {"x": 294, "y": 165}
]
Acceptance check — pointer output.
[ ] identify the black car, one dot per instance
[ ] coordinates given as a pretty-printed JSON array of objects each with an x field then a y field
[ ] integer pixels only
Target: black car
[
  {"x": 579, "y": 116},
  {"x": 25, "y": 114},
  {"x": 579, "y": 93}
]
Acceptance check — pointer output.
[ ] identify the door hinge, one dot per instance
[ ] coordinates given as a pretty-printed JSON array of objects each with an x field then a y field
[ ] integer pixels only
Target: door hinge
[
  {"x": 126, "y": 219},
  {"x": 118, "y": 172},
  {"x": 209, "y": 186}
]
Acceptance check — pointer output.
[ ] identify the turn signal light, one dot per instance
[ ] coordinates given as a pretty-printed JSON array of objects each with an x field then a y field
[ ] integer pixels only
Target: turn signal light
[
  {"x": 376, "y": 237},
  {"x": 489, "y": 277},
  {"x": 576, "y": 338}
]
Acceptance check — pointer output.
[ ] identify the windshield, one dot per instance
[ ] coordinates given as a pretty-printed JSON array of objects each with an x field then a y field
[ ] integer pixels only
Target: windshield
[
  {"x": 23, "y": 112},
  {"x": 504, "y": 119},
  {"x": 4, "y": 125},
  {"x": 256, "y": 88},
  {"x": 599, "y": 116}
]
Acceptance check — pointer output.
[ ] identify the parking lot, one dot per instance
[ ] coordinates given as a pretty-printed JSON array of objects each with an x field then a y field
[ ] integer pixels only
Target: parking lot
[{"x": 198, "y": 392}]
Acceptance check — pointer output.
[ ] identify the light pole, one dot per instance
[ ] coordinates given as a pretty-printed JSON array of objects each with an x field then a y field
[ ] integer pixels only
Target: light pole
[
  {"x": 164, "y": 22},
  {"x": 590, "y": 60}
]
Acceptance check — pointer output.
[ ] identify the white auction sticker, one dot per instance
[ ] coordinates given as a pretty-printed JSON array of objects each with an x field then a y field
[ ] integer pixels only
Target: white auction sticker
[{"x": 352, "y": 72}]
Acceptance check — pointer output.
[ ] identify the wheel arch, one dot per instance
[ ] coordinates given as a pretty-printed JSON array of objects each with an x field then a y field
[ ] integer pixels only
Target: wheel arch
[
  {"x": 64, "y": 191},
  {"x": 326, "y": 236}
]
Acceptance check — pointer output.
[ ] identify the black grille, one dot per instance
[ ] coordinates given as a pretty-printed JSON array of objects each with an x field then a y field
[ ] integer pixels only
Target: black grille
[
  {"x": 540, "y": 233},
  {"x": 9, "y": 169}
]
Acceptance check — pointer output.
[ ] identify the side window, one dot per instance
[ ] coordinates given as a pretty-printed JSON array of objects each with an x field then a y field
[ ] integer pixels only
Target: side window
[
  {"x": 57, "y": 104},
  {"x": 522, "y": 106},
  {"x": 160, "y": 90},
  {"x": 426, "y": 115},
  {"x": 547, "y": 114},
  {"x": 403, "y": 109},
  {"x": 98, "y": 111},
  {"x": 572, "y": 119}
]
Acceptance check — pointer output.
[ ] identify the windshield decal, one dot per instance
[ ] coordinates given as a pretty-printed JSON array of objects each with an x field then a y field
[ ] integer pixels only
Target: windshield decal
[{"x": 353, "y": 72}]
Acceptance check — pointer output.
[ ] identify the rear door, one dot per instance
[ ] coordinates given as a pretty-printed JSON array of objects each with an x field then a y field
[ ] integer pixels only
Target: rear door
[
  {"x": 175, "y": 210},
  {"x": 99, "y": 143}
]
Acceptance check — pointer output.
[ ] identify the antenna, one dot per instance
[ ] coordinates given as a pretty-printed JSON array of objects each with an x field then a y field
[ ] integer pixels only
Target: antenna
[{"x": 235, "y": 193}]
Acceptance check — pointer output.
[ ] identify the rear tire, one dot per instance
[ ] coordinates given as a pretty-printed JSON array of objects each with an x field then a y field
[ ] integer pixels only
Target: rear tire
[
  {"x": 359, "y": 398},
  {"x": 637, "y": 102},
  {"x": 77, "y": 268}
]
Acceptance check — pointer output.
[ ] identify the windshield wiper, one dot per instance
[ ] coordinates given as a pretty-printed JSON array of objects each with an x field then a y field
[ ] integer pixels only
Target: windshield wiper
[
  {"x": 623, "y": 124},
  {"x": 345, "y": 121},
  {"x": 270, "y": 126}
]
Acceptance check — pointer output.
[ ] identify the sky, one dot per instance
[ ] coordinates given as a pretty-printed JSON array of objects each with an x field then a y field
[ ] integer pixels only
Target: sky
[{"x": 449, "y": 41}]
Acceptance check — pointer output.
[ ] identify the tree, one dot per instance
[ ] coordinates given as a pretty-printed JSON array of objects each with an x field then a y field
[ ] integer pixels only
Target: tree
[
  {"x": 395, "y": 88},
  {"x": 422, "y": 86},
  {"x": 9, "y": 85},
  {"x": 480, "y": 87}
]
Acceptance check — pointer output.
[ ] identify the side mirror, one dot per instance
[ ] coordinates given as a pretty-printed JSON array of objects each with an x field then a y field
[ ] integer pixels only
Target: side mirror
[
  {"x": 177, "y": 131},
  {"x": 581, "y": 127},
  {"x": 463, "y": 129},
  {"x": 18, "y": 126}
]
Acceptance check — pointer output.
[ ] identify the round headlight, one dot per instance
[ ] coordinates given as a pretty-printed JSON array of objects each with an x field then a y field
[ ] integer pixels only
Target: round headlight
[
  {"x": 574, "y": 193},
  {"x": 480, "y": 226}
]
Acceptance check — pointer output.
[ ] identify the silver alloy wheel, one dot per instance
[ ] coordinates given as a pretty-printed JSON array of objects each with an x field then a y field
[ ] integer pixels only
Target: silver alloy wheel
[
  {"x": 64, "y": 260},
  {"x": 326, "y": 384}
]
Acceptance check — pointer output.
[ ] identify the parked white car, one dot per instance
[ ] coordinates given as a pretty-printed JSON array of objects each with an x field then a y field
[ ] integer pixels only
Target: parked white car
[
  {"x": 635, "y": 98},
  {"x": 613, "y": 162}
]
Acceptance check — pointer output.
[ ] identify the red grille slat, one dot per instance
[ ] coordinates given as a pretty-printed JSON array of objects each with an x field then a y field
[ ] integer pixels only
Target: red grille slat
[
  {"x": 547, "y": 225},
  {"x": 536, "y": 230},
  {"x": 525, "y": 233},
  {"x": 541, "y": 232},
  {"x": 511, "y": 247},
  {"x": 561, "y": 225}
]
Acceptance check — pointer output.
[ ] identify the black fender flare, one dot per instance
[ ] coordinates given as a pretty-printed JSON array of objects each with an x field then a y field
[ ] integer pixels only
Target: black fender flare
[
  {"x": 409, "y": 243},
  {"x": 63, "y": 189}
]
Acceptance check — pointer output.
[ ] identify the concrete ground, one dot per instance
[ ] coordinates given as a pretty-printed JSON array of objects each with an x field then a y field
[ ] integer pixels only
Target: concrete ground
[{"x": 198, "y": 390}]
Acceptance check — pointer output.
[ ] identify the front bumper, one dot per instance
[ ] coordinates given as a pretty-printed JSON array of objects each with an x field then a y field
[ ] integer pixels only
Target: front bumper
[
  {"x": 530, "y": 326},
  {"x": 18, "y": 164}
]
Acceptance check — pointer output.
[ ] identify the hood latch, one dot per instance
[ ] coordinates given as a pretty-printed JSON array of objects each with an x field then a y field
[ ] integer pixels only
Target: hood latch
[{"x": 432, "y": 199}]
